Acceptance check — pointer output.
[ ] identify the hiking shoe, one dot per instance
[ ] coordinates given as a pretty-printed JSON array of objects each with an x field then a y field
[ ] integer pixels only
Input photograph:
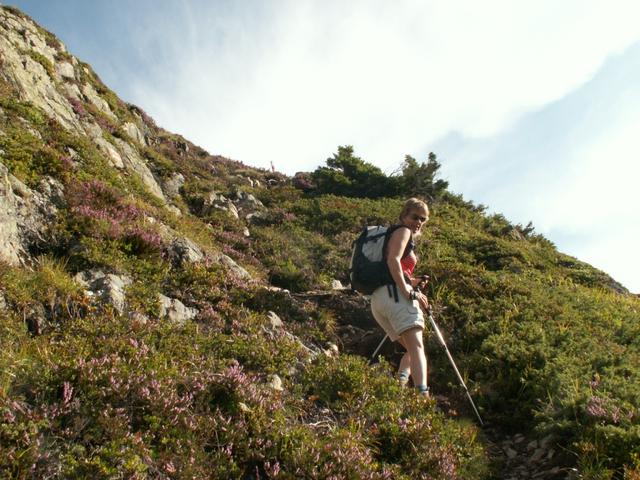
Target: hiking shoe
[{"x": 423, "y": 390}]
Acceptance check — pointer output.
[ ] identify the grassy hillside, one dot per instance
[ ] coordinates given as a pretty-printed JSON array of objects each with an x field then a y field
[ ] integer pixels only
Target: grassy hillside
[{"x": 547, "y": 344}]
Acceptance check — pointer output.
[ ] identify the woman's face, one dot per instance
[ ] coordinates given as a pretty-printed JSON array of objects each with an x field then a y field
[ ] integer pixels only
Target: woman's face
[{"x": 414, "y": 219}]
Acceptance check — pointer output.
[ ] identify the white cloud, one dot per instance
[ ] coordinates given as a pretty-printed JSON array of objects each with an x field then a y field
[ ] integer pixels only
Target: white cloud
[{"x": 300, "y": 78}]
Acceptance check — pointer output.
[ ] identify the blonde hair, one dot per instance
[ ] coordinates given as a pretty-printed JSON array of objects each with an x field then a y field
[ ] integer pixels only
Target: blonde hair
[{"x": 414, "y": 204}]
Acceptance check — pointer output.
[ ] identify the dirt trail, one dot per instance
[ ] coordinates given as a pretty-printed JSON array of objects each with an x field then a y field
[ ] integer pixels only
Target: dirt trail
[{"x": 515, "y": 456}]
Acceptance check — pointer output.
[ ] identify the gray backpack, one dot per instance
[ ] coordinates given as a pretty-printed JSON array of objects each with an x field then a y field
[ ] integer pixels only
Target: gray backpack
[{"x": 368, "y": 269}]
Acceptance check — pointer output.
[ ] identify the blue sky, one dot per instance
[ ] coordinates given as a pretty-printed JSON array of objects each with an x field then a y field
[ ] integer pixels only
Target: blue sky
[{"x": 531, "y": 107}]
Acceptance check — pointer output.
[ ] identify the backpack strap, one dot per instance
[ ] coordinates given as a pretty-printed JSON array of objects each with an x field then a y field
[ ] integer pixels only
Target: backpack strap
[
  {"x": 392, "y": 288},
  {"x": 407, "y": 250}
]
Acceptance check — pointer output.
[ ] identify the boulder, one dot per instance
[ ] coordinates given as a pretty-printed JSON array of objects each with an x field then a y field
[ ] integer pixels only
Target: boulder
[
  {"x": 107, "y": 288},
  {"x": 236, "y": 269},
  {"x": 173, "y": 184},
  {"x": 174, "y": 310},
  {"x": 247, "y": 202},
  {"x": 182, "y": 250}
]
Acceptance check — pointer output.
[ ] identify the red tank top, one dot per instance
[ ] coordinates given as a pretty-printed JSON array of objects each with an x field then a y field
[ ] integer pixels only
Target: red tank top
[{"x": 408, "y": 263}]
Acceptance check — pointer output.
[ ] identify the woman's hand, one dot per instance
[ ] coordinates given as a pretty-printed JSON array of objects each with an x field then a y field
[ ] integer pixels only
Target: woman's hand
[
  {"x": 423, "y": 301},
  {"x": 420, "y": 283}
]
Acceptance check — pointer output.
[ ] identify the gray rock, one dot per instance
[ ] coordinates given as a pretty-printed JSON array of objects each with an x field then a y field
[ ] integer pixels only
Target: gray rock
[
  {"x": 65, "y": 70},
  {"x": 53, "y": 191},
  {"x": 332, "y": 350},
  {"x": 174, "y": 310},
  {"x": 236, "y": 269},
  {"x": 255, "y": 218},
  {"x": 173, "y": 184},
  {"x": 511, "y": 453},
  {"x": 274, "y": 382},
  {"x": 73, "y": 91},
  {"x": 246, "y": 201},
  {"x": 134, "y": 163},
  {"x": 173, "y": 209},
  {"x": 94, "y": 97},
  {"x": 107, "y": 288},
  {"x": 182, "y": 250},
  {"x": 275, "y": 320},
  {"x": 532, "y": 445},
  {"x": 336, "y": 285},
  {"x": 232, "y": 209},
  {"x": 25, "y": 216},
  {"x": 246, "y": 232},
  {"x": 36, "y": 318},
  {"x": 134, "y": 132},
  {"x": 112, "y": 153},
  {"x": 31, "y": 80},
  {"x": 546, "y": 441},
  {"x": 3, "y": 303}
]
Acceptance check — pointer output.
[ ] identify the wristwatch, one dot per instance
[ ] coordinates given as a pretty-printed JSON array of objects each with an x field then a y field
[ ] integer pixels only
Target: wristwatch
[{"x": 414, "y": 295}]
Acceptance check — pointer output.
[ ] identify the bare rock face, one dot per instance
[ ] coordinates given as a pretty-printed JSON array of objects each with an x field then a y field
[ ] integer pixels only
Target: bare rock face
[
  {"x": 134, "y": 132},
  {"x": 134, "y": 163},
  {"x": 24, "y": 216},
  {"x": 26, "y": 58},
  {"x": 173, "y": 184},
  {"x": 100, "y": 103}
]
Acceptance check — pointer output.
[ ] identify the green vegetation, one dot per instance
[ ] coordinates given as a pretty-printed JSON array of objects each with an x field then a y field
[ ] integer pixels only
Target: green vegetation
[{"x": 547, "y": 343}]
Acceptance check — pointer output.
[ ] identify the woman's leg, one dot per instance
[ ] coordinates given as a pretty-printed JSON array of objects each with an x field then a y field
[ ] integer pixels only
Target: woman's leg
[
  {"x": 412, "y": 341},
  {"x": 404, "y": 369}
]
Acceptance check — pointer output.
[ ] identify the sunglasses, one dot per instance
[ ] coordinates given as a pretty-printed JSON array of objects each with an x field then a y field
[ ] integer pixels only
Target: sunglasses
[{"x": 415, "y": 218}]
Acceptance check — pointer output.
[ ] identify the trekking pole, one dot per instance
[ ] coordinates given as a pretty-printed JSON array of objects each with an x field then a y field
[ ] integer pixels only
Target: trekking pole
[
  {"x": 446, "y": 349},
  {"x": 378, "y": 349}
]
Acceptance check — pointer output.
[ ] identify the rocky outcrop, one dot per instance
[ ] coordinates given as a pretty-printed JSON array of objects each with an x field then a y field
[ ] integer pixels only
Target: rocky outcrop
[
  {"x": 25, "y": 215},
  {"x": 107, "y": 288},
  {"x": 216, "y": 201},
  {"x": 172, "y": 185},
  {"x": 28, "y": 63},
  {"x": 134, "y": 163},
  {"x": 175, "y": 311}
]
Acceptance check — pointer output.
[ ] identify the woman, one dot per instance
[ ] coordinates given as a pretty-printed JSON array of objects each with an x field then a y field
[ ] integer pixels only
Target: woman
[{"x": 398, "y": 307}]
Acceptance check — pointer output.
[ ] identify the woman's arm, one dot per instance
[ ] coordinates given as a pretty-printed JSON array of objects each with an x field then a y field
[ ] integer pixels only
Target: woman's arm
[{"x": 395, "y": 248}]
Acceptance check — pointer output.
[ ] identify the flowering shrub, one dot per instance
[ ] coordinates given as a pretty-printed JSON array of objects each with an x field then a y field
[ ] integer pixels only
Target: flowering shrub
[{"x": 100, "y": 211}]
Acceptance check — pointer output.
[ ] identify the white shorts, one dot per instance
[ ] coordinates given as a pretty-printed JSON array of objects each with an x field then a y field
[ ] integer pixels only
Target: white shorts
[{"x": 395, "y": 318}]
